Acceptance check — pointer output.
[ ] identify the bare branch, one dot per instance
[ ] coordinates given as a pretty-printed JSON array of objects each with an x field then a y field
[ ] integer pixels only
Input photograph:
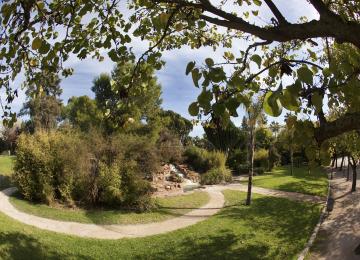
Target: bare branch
[{"x": 280, "y": 18}]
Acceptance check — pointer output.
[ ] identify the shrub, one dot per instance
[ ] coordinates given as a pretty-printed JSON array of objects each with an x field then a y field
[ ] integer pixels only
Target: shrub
[
  {"x": 259, "y": 170},
  {"x": 237, "y": 160},
  {"x": 202, "y": 160},
  {"x": 47, "y": 164},
  {"x": 274, "y": 157},
  {"x": 67, "y": 167},
  {"x": 216, "y": 176},
  {"x": 261, "y": 158}
]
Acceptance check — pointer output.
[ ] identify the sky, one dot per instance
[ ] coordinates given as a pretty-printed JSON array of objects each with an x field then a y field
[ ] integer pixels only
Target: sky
[{"x": 178, "y": 90}]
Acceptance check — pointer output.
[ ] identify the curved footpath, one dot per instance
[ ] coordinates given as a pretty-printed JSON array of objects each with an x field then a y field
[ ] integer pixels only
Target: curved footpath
[{"x": 216, "y": 202}]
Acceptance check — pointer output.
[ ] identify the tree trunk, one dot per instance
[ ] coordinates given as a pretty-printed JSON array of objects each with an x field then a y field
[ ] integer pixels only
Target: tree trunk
[
  {"x": 292, "y": 161},
  {"x": 353, "y": 186},
  {"x": 336, "y": 161},
  {"x": 348, "y": 169},
  {"x": 342, "y": 163},
  {"x": 251, "y": 165}
]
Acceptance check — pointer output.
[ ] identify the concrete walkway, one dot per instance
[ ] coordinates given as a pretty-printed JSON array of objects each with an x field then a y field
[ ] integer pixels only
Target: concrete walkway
[
  {"x": 339, "y": 234},
  {"x": 216, "y": 202}
]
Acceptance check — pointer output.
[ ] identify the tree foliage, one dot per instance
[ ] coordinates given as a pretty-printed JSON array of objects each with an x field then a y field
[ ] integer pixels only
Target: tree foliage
[{"x": 321, "y": 56}]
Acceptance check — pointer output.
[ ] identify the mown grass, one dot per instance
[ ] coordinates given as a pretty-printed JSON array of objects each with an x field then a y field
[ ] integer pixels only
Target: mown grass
[
  {"x": 280, "y": 178},
  {"x": 6, "y": 169},
  {"x": 271, "y": 228},
  {"x": 167, "y": 207}
]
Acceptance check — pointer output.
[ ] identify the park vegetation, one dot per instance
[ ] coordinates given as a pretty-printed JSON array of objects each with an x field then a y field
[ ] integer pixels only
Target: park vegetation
[{"x": 320, "y": 57}]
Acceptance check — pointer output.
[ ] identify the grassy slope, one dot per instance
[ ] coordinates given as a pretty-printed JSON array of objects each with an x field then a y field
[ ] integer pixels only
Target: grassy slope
[
  {"x": 6, "y": 168},
  {"x": 168, "y": 207},
  {"x": 280, "y": 178},
  {"x": 271, "y": 228}
]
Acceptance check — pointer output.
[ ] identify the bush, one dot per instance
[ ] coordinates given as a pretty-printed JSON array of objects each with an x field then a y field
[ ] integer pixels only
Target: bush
[
  {"x": 67, "y": 167},
  {"x": 259, "y": 170},
  {"x": 274, "y": 158},
  {"x": 202, "y": 160},
  {"x": 261, "y": 158},
  {"x": 216, "y": 176},
  {"x": 237, "y": 161},
  {"x": 48, "y": 164}
]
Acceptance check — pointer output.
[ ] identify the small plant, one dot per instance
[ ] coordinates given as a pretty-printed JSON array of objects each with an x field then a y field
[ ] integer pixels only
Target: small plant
[{"x": 216, "y": 176}]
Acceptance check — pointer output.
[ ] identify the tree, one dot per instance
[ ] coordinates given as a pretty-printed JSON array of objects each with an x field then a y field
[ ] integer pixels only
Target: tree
[
  {"x": 225, "y": 138},
  {"x": 324, "y": 74},
  {"x": 43, "y": 103},
  {"x": 177, "y": 124},
  {"x": 353, "y": 148},
  {"x": 253, "y": 118},
  {"x": 121, "y": 103},
  {"x": 83, "y": 112},
  {"x": 275, "y": 128},
  {"x": 9, "y": 136}
]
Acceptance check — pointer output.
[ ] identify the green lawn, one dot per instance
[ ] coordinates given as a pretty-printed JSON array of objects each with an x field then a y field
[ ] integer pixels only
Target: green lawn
[
  {"x": 6, "y": 169},
  {"x": 280, "y": 178},
  {"x": 271, "y": 228},
  {"x": 167, "y": 208}
]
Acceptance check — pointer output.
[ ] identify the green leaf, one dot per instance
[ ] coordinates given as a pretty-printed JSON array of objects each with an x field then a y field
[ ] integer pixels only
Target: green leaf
[
  {"x": 257, "y": 59},
  {"x": 290, "y": 101},
  {"x": 36, "y": 44},
  {"x": 209, "y": 62},
  {"x": 194, "y": 109},
  {"x": 218, "y": 109},
  {"x": 205, "y": 98},
  {"x": 317, "y": 101},
  {"x": 232, "y": 105},
  {"x": 257, "y": 2},
  {"x": 305, "y": 75},
  {"x": 273, "y": 71},
  {"x": 113, "y": 55},
  {"x": 190, "y": 67},
  {"x": 272, "y": 105},
  {"x": 217, "y": 75},
  {"x": 45, "y": 47},
  {"x": 196, "y": 76}
]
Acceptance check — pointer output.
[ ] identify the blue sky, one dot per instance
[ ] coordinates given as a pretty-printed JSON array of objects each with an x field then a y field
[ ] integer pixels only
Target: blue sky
[{"x": 178, "y": 89}]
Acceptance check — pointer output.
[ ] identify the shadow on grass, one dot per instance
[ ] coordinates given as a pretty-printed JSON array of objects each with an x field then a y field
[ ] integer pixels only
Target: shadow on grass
[
  {"x": 287, "y": 220},
  {"x": 222, "y": 245},
  {"x": 16, "y": 245},
  {"x": 303, "y": 186}
]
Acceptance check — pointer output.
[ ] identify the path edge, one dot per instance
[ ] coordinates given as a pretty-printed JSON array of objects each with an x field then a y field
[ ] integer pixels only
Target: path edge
[{"x": 322, "y": 217}]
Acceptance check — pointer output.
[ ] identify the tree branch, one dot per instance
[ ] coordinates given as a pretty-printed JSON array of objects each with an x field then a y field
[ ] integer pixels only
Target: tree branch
[
  {"x": 280, "y": 18},
  {"x": 345, "y": 123}
]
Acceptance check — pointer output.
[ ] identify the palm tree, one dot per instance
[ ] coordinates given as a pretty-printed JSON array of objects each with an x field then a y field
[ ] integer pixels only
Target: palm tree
[
  {"x": 275, "y": 128},
  {"x": 254, "y": 118}
]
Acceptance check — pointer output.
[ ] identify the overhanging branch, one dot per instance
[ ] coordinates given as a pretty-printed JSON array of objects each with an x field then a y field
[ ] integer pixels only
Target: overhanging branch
[{"x": 343, "y": 124}]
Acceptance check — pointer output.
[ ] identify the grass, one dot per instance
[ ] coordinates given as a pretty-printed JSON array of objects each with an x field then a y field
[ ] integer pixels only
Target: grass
[
  {"x": 6, "y": 169},
  {"x": 167, "y": 208},
  {"x": 271, "y": 228},
  {"x": 280, "y": 178},
  {"x": 6, "y": 165}
]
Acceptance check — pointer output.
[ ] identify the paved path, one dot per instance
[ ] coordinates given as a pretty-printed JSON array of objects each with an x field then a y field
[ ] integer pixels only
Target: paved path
[
  {"x": 339, "y": 234},
  {"x": 216, "y": 202}
]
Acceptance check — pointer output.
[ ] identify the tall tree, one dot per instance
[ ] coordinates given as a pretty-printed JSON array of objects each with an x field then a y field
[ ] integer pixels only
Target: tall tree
[
  {"x": 224, "y": 137},
  {"x": 43, "y": 103},
  {"x": 254, "y": 117},
  {"x": 121, "y": 102},
  {"x": 83, "y": 112},
  {"x": 177, "y": 124}
]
